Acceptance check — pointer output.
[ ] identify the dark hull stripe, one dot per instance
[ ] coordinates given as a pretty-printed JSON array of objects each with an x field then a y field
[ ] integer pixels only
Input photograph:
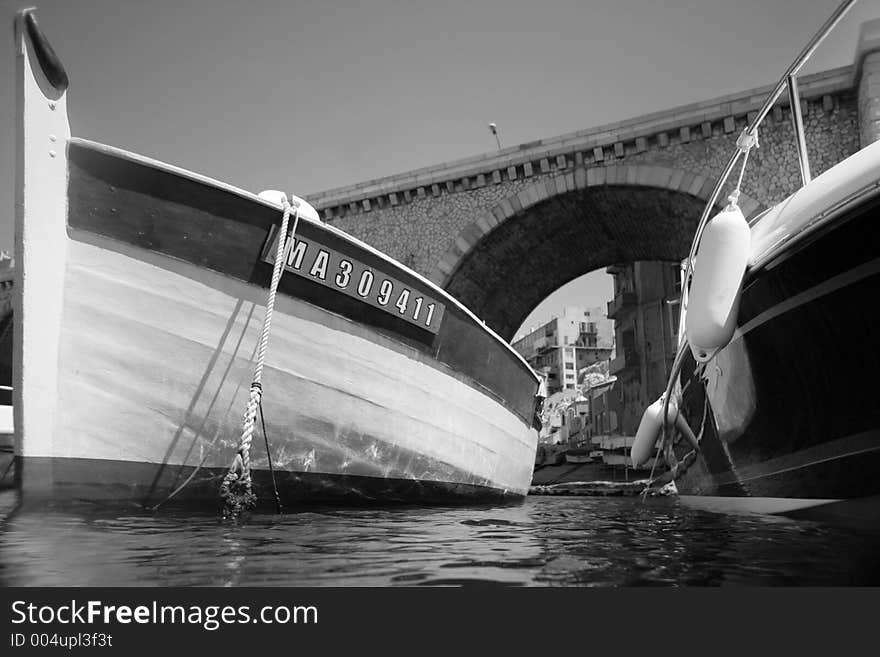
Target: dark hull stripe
[
  {"x": 847, "y": 476},
  {"x": 316, "y": 313},
  {"x": 129, "y": 482},
  {"x": 161, "y": 211},
  {"x": 838, "y": 282},
  {"x": 843, "y": 448},
  {"x": 792, "y": 400}
]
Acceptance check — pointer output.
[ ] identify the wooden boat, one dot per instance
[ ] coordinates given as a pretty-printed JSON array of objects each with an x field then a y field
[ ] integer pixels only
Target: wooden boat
[
  {"x": 785, "y": 413},
  {"x": 140, "y": 295}
]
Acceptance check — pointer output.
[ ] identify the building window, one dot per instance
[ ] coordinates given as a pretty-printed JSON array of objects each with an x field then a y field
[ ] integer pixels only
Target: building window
[{"x": 569, "y": 366}]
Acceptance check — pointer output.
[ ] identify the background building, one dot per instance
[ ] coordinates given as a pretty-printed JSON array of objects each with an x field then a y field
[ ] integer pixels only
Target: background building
[
  {"x": 645, "y": 312},
  {"x": 560, "y": 348}
]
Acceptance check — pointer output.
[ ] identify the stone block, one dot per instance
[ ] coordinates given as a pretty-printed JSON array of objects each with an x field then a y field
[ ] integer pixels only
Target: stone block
[
  {"x": 487, "y": 222},
  {"x": 527, "y": 169},
  {"x": 729, "y": 124},
  {"x": 675, "y": 181},
  {"x": 579, "y": 159},
  {"x": 663, "y": 140},
  {"x": 496, "y": 176},
  {"x": 541, "y": 191},
  {"x": 707, "y": 188},
  {"x": 407, "y": 195},
  {"x": 353, "y": 207},
  {"x": 706, "y": 129},
  {"x": 420, "y": 191},
  {"x": 561, "y": 162},
  {"x": 569, "y": 181},
  {"x": 445, "y": 266},
  {"x": 641, "y": 144},
  {"x": 559, "y": 185},
  {"x": 392, "y": 197},
  {"x": 545, "y": 165},
  {"x": 618, "y": 149},
  {"x": 580, "y": 178},
  {"x": 511, "y": 173},
  {"x": 507, "y": 208},
  {"x": 596, "y": 176},
  {"x": 472, "y": 234},
  {"x": 598, "y": 154},
  {"x": 749, "y": 206},
  {"x": 658, "y": 177},
  {"x": 465, "y": 183},
  {"x": 685, "y": 134},
  {"x": 450, "y": 186},
  {"x": 696, "y": 183},
  {"x": 481, "y": 180},
  {"x": 777, "y": 114}
]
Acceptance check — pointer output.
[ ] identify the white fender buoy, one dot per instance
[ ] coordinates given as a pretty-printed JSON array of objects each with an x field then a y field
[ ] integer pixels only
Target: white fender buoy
[
  {"x": 306, "y": 210},
  {"x": 715, "y": 288},
  {"x": 649, "y": 430}
]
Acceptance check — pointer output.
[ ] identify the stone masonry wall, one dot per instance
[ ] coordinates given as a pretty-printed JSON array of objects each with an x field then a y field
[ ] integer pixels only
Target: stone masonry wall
[{"x": 418, "y": 227}]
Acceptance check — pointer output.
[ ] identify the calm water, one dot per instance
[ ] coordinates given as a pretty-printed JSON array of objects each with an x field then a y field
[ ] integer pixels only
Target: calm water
[{"x": 546, "y": 541}]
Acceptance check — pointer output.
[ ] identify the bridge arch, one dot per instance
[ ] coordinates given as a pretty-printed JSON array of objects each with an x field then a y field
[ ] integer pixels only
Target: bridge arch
[{"x": 510, "y": 258}]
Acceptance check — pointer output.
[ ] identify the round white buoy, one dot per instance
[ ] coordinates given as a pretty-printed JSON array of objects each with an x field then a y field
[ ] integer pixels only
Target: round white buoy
[
  {"x": 649, "y": 430},
  {"x": 715, "y": 289},
  {"x": 306, "y": 210}
]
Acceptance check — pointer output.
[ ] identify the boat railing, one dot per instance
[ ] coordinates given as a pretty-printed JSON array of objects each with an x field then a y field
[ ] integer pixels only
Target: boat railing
[{"x": 787, "y": 81}]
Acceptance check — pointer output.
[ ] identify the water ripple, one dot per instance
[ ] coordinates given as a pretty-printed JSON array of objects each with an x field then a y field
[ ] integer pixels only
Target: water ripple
[{"x": 546, "y": 541}]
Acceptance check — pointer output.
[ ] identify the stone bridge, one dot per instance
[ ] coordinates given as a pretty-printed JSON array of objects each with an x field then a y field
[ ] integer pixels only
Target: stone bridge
[{"x": 503, "y": 230}]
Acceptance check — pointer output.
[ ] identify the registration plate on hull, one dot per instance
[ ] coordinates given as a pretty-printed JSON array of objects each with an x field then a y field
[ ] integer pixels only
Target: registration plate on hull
[{"x": 342, "y": 273}]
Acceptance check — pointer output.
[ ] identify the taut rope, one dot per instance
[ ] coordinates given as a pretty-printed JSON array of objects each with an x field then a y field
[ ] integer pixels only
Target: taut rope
[{"x": 236, "y": 490}]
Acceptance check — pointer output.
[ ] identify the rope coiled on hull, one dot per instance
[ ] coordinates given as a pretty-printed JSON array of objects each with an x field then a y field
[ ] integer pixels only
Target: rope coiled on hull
[{"x": 236, "y": 491}]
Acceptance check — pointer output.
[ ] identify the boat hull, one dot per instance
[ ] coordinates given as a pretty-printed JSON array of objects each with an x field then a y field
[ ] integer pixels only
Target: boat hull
[
  {"x": 139, "y": 301},
  {"x": 155, "y": 363},
  {"x": 786, "y": 414}
]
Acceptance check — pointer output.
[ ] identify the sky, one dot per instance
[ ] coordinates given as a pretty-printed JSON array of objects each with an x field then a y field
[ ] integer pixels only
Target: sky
[{"x": 307, "y": 95}]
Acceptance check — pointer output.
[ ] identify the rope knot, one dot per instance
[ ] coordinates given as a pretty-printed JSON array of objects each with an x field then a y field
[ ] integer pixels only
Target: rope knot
[
  {"x": 236, "y": 487},
  {"x": 746, "y": 141},
  {"x": 732, "y": 200}
]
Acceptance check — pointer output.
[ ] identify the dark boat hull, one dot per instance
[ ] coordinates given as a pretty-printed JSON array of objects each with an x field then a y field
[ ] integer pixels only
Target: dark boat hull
[{"x": 788, "y": 412}]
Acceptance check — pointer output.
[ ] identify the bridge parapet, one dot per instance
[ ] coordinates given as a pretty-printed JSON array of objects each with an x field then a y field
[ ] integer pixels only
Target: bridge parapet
[{"x": 606, "y": 145}]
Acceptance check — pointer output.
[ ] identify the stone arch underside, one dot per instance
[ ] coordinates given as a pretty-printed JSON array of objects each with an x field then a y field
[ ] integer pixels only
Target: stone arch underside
[{"x": 522, "y": 260}]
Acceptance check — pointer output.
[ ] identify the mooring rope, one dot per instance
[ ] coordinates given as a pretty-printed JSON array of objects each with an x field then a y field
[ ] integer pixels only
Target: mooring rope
[
  {"x": 236, "y": 489},
  {"x": 745, "y": 143}
]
